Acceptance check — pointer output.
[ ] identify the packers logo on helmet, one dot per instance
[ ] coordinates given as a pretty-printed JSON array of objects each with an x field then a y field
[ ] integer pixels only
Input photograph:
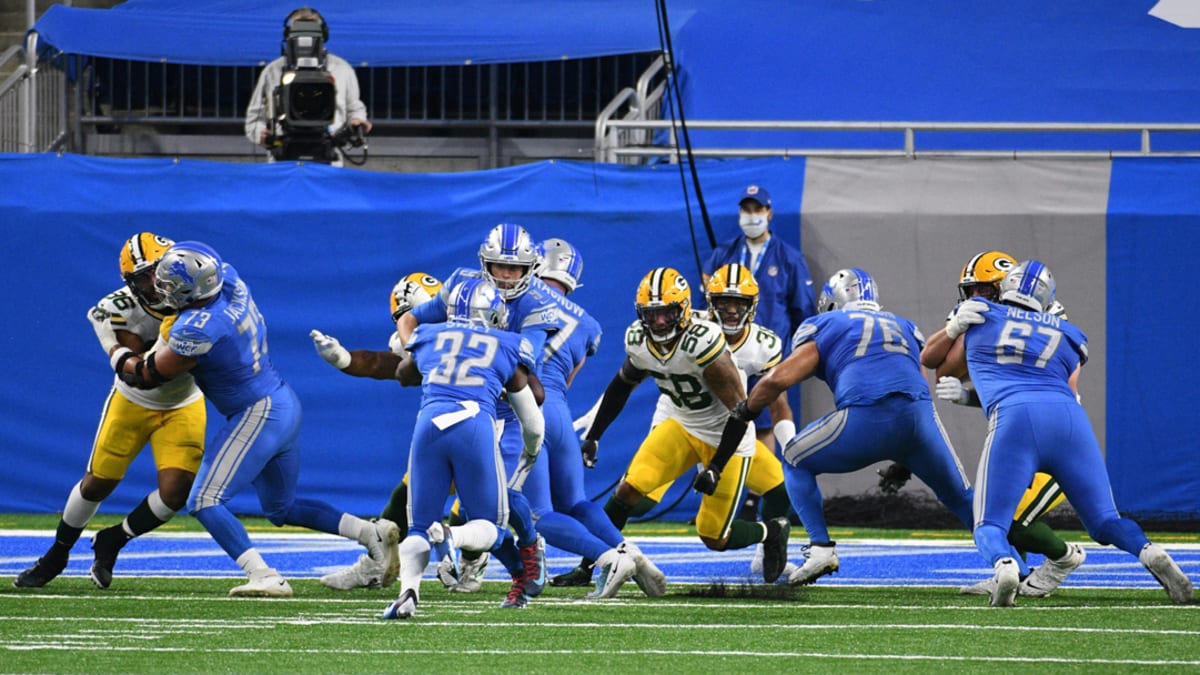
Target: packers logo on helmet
[
  {"x": 139, "y": 256},
  {"x": 984, "y": 270},
  {"x": 664, "y": 304},
  {"x": 732, "y": 295},
  {"x": 412, "y": 290}
]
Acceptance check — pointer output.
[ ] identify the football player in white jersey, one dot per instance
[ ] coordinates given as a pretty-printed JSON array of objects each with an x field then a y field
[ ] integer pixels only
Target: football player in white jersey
[
  {"x": 171, "y": 419},
  {"x": 690, "y": 362}
]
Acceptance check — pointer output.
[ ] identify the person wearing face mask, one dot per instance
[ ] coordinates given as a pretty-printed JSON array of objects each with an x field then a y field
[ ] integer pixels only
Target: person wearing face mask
[{"x": 786, "y": 296}]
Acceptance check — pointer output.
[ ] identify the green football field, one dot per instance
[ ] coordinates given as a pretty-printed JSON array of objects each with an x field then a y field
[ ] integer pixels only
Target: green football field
[{"x": 189, "y": 625}]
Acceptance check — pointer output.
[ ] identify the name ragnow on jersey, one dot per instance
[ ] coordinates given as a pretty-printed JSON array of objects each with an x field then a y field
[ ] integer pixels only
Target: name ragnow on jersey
[
  {"x": 124, "y": 312},
  {"x": 680, "y": 377}
]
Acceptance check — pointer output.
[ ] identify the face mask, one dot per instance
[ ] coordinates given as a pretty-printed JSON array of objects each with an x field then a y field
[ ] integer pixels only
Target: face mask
[{"x": 753, "y": 225}]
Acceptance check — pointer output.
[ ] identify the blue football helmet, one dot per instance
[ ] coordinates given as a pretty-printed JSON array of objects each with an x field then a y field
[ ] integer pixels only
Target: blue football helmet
[
  {"x": 850, "y": 288},
  {"x": 561, "y": 262},
  {"x": 1029, "y": 285},
  {"x": 189, "y": 271},
  {"x": 508, "y": 244},
  {"x": 478, "y": 302}
]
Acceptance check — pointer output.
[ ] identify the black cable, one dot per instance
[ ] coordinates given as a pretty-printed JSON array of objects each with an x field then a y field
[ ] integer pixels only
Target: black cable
[{"x": 664, "y": 38}]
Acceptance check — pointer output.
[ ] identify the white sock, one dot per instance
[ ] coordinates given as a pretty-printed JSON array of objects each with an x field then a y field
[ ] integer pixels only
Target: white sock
[
  {"x": 475, "y": 535},
  {"x": 414, "y": 556},
  {"x": 351, "y": 527},
  {"x": 251, "y": 561},
  {"x": 79, "y": 511}
]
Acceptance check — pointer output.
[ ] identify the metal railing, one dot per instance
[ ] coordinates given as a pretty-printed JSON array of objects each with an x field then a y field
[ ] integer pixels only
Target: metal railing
[
  {"x": 614, "y": 139},
  {"x": 33, "y": 102}
]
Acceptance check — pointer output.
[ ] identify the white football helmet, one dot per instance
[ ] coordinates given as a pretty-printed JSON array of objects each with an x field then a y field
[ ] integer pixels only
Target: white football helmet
[
  {"x": 189, "y": 271},
  {"x": 508, "y": 244},
  {"x": 561, "y": 262},
  {"x": 1029, "y": 285},
  {"x": 851, "y": 288},
  {"x": 478, "y": 302}
]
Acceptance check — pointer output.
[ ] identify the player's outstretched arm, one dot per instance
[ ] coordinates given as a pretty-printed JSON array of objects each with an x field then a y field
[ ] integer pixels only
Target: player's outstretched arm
[
  {"x": 611, "y": 404},
  {"x": 359, "y": 363}
]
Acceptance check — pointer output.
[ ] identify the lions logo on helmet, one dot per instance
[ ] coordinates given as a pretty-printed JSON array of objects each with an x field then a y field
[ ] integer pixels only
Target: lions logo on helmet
[
  {"x": 561, "y": 262},
  {"x": 732, "y": 295},
  {"x": 982, "y": 274},
  {"x": 851, "y": 288},
  {"x": 664, "y": 304},
  {"x": 139, "y": 257},
  {"x": 1029, "y": 285},
  {"x": 508, "y": 244},
  {"x": 188, "y": 272},
  {"x": 413, "y": 290},
  {"x": 478, "y": 302}
]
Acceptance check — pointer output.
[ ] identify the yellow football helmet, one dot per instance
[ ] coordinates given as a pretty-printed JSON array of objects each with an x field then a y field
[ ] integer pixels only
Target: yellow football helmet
[
  {"x": 412, "y": 290},
  {"x": 664, "y": 304},
  {"x": 985, "y": 269},
  {"x": 732, "y": 295},
  {"x": 139, "y": 256}
]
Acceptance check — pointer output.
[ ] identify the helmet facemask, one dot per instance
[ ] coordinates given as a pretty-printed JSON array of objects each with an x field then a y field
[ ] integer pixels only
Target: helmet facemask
[
  {"x": 508, "y": 245},
  {"x": 733, "y": 312},
  {"x": 663, "y": 323}
]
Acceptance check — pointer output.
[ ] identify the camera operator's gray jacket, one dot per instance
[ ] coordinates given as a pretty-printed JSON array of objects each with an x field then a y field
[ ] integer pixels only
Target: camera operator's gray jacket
[{"x": 349, "y": 106}]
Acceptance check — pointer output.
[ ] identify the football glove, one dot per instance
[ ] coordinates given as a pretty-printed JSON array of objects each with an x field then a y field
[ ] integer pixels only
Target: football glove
[
  {"x": 952, "y": 389},
  {"x": 589, "y": 448},
  {"x": 330, "y": 349},
  {"x": 893, "y": 478},
  {"x": 706, "y": 481},
  {"x": 966, "y": 314}
]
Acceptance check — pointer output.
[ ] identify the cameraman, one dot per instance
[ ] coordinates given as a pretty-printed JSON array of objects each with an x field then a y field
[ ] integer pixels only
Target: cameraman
[{"x": 349, "y": 108}]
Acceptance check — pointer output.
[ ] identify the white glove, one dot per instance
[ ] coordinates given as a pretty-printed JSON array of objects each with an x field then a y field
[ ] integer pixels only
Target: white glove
[
  {"x": 330, "y": 349},
  {"x": 103, "y": 327},
  {"x": 966, "y": 314},
  {"x": 952, "y": 389}
]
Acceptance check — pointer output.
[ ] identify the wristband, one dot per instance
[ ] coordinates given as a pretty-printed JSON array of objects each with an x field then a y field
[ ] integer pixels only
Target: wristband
[{"x": 118, "y": 358}]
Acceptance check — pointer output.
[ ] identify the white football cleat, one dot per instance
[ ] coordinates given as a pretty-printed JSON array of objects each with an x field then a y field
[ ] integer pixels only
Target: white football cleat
[
  {"x": 985, "y": 587},
  {"x": 1164, "y": 568},
  {"x": 403, "y": 607},
  {"x": 1051, "y": 573},
  {"x": 264, "y": 583},
  {"x": 470, "y": 574},
  {"x": 363, "y": 574},
  {"x": 821, "y": 560},
  {"x": 647, "y": 575},
  {"x": 1007, "y": 577},
  {"x": 382, "y": 540},
  {"x": 616, "y": 567}
]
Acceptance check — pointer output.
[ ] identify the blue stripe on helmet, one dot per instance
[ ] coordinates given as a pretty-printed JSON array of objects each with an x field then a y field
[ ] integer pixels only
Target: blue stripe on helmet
[
  {"x": 866, "y": 285},
  {"x": 1029, "y": 282}
]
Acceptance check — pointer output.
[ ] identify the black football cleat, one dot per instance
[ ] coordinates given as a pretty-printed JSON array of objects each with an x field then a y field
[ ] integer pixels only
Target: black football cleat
[
  {"x": 107, "y": 544},
  {"x": 43, "y": 571}
]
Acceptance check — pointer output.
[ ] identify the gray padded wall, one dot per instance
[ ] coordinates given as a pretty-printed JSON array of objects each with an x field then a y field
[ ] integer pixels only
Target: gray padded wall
[{"x": 913, "y": 224}]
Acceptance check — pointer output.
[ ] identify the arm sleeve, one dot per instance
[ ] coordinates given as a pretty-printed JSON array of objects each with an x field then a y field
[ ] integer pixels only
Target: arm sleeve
[
  {"x": 533, "y": 425},
  {"x": 611, "y": 404}
]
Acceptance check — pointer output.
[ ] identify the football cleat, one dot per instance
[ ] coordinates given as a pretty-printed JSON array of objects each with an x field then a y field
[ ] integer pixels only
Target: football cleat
[
  {"x": 756, "y": 566},
  {"x": 1046, "y": 578},
  {"x": 43, "y": 571},
  {"x": 1007, "y": 579},
  {"x": 107, "y": 544},
  {"x": 516, "y": 598},
  {"x": 775, "y": 548},
  {"x": 647, "y": 576},
  {"x": 363, "y": 574},
  {"x": 382, "y": 540},
  {"x": 442, "y": 543},
  {"x": 578, "y": 576},
  {"x": 985, "y": 587},
  {"x": 403, "y": 607},
  {"x": 470, "y": 574},
  {"x": 264, "y": 583},
  {"x": 533, "y": 559},
  {"x": 1164, "y": 568},
  {"x": 616, "y": 567},
  {"x": 822, "y": 559}
]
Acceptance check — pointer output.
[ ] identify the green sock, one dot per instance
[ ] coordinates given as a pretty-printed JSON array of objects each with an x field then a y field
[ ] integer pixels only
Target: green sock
[
  {"x": 397, "y": 507},
  {"x": 618, "y": 512},
  {"x": 745, "y": 533},
  {"x": 1037, "y": 538},
  {"x": 775, "y": 503},
  {"x": 642, "y": 507},
  {"x": 142, "y": 519}
]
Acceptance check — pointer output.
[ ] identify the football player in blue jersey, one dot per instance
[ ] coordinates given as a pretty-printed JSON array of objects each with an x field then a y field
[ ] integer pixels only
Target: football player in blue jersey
[
  {"x": 220, "y": 338},
  {"x": 869, "y": 359},
  {"x": 508, "y": 258},
  {"x": 980, "y": 278},
  {"x": 565, "y": 516},
  {"x": 171, "y": 419},
  {"x": 1025, "y": 365},
  {"x": 462, "y": 366}
]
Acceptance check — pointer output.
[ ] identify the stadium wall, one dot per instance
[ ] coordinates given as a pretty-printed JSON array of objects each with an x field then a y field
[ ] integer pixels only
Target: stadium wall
[{"x": 321, "y": 248}]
